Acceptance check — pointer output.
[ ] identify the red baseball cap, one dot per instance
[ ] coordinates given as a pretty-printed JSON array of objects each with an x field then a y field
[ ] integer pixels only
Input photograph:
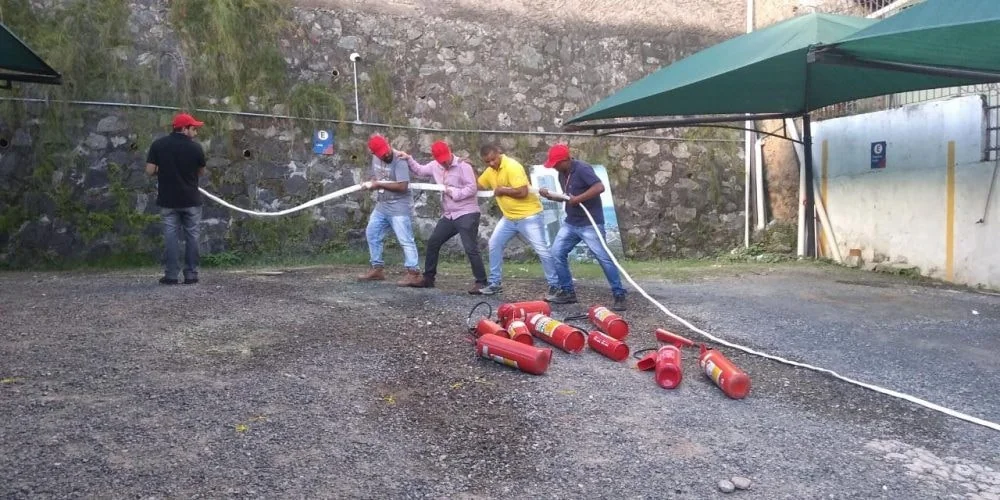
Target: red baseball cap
[
  {"x": 185, "y": 120},
  {"x": 379, "y": 146},
  {"x": 441, "y": 152},
  {"x": 557, "y": 153}
]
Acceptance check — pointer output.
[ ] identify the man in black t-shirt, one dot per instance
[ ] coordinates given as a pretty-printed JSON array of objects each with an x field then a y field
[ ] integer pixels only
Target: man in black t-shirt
[
  {"x": 584, "y": 188},
  {"x": 177, "y": 161}
]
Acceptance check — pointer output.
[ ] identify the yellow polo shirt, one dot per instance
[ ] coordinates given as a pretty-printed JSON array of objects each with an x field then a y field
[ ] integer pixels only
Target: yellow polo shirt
[{"x": 511, "y": 174}]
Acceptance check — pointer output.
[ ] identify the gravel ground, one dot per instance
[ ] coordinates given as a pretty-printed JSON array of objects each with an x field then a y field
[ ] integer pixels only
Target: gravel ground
[{"x": 306, "y": 384}]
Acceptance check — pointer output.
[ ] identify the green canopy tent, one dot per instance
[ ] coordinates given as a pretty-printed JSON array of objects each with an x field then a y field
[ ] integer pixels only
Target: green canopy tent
[
  {"x": 18, "y": 63},
  {"x": 770, "y": 73},
  {"x": 936, "y": 37}
]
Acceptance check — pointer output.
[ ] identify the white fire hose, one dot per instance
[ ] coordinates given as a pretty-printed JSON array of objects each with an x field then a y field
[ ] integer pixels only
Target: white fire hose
[{"x": 486, "y": 194}]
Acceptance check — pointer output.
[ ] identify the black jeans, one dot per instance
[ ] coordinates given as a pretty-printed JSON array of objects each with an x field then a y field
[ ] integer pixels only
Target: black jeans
[{"x": 466, "y": 226}]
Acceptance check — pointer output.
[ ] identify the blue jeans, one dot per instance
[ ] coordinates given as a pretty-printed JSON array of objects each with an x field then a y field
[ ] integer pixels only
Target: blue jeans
[
  {"x": 568, "y": 238},
  {"x": 174, "y": 219},
  {"x": 378, "y": 224},
  {"x": 533, "y": 232}
]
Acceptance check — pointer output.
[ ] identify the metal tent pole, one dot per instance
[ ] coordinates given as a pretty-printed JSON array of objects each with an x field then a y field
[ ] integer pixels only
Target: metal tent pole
[{"x": 810, "y": 201}]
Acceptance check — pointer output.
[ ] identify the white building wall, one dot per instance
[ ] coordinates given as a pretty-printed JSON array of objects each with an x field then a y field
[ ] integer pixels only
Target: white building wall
[{"x": 903, "y": 212}]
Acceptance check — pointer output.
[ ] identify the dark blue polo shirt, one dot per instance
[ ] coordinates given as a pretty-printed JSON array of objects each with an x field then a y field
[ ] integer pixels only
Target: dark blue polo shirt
[{"x": 579, "y": 179}]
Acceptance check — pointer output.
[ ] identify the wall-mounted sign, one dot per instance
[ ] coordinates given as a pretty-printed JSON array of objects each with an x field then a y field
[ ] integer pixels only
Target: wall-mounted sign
[
  {"x": 323, "y": 142},
  {"x": 878, "y": 154}
]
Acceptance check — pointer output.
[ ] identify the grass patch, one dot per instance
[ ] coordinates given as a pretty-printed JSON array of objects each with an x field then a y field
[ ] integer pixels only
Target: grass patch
[
  {"x": 456, "y": 266},
  {"x": 236, "y": 260},
  {"x": 115, "y": 261},
  {"x": 639, "y": 269}
]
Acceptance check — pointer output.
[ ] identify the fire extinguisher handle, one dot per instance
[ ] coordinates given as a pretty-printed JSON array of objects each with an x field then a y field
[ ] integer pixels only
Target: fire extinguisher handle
[
  {"x": 636, "y": 354},
  {"x": 468, "y": 321}
]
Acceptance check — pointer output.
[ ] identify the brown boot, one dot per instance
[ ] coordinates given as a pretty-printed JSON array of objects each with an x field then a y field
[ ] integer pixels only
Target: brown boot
[
  {"x": 412, "y": 278},
  {"x": 373, "y": 274}
]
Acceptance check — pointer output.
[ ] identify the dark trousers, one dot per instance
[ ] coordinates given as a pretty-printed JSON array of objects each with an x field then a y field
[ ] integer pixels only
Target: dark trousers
[{"x": 466, "y": 226}]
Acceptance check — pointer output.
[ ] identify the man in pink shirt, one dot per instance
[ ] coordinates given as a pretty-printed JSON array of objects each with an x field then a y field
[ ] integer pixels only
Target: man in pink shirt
[{"x": 460, "y": 211}]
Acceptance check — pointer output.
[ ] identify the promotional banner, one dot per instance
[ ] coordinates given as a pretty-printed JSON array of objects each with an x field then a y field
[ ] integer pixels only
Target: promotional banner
[{"x": 554, "y": 212}]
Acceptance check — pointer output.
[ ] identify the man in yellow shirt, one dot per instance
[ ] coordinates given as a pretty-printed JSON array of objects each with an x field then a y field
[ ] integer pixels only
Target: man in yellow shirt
[{"x": 522, "y": 215}]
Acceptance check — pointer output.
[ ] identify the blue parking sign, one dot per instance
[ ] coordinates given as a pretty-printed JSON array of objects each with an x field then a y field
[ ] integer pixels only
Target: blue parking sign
[
  {"x": 323, "y": 142},
  {"x": 878, "y": 154}
]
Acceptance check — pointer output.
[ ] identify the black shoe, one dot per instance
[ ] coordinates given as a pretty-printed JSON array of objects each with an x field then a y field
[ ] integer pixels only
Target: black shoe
[
  {"x": 564, "y": 297},
  {"x": 553, "y": 293},
  {"x": 167, "y": 281},
  {"x": 619, "y": 304},
  {"x": 491, "y": 290},
  {"x": 190, "y": 281}
]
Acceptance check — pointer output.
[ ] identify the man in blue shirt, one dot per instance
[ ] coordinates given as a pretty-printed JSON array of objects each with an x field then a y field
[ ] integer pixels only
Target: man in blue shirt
[{"x": 582, "y": 185}]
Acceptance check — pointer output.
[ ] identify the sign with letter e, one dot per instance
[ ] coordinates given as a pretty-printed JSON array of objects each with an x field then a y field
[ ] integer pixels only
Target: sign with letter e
[
  {"x": 878, "y": 154},
  {"x": 323, "y": 142}
]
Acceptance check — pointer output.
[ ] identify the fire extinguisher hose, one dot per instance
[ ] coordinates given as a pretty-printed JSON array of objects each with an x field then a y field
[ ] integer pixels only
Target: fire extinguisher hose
[
  {"x": 889, "y": 392},
  {"x": 485, "y": 194}
]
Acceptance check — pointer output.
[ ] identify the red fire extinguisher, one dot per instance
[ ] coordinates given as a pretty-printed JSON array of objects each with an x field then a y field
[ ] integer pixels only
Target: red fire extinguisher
[
  {"x": 733, "y": 381},
  {"x": 610, "y": 347},
  {"x": 672, "y": 338},
  {"x": 518, "y": 332},
  {"x": 668, "y": 367},
  {"x": 608, "y": 322},
  {"x": 488, "y": 327},
  {"x": 521, "y": 310},
  {"x": 559, "y": 334},
  {"x": 529, "y": 359}
]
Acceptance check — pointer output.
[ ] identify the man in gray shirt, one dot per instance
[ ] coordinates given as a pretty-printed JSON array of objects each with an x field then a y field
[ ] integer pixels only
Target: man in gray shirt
[{"x": 390, "y": 180}]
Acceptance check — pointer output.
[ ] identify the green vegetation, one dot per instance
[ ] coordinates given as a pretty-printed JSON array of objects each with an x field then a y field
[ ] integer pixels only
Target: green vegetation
[
  {"x": 380, "y": 95},
  {"x": 595, "y": 152},
  {"x": 89, "y": 43},
  {"x": 233, "y": 47},
  {"x": 231, "y": 53},
  {"x": 779, "y": 237}
]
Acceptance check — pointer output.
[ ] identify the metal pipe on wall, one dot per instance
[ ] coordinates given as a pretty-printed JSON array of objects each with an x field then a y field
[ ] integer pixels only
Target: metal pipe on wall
[
  {"x": 810, "y": 200},
  {"x": 355, "y": 57},
  {"x": 793, "y": 131},
  {"x": 250, "y": 114},
  {"x": 747, "y": 149},
  {"x": 758, "y": 162}
]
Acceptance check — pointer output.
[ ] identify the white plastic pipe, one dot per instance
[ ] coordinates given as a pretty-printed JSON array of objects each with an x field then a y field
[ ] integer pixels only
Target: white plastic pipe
[
  {"x": 793, "y": 133},
  {"x": 758, "y": 161},
  {"x": 357, "y": 102},
  {"x": 824, "y": 220},
  {"x": 747, "y": 148}
]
